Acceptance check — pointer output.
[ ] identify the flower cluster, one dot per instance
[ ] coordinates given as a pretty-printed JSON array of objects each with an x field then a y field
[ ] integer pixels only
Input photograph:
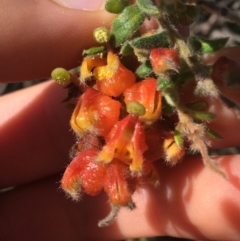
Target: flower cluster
[
  {"x": 129, "y": 113},
  {"x": 117, "y": 118}
]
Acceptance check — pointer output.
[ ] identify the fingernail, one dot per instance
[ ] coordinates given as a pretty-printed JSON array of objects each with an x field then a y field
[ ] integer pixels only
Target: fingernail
[{"x": 89, "y": 5}]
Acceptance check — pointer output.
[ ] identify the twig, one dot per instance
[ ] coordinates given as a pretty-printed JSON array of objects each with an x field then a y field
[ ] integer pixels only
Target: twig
[{"x": 212, "y": 7}]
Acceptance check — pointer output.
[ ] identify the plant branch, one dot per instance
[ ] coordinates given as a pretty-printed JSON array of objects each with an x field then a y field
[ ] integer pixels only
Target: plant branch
[{"x": 212, "y": 7}]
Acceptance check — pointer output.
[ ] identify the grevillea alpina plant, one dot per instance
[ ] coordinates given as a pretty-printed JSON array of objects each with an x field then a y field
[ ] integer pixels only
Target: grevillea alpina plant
[{"x": 129, "y": 113}]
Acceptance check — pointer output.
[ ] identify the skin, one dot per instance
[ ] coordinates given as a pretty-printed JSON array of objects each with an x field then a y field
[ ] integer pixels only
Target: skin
[{"x": 191, "y": 202}]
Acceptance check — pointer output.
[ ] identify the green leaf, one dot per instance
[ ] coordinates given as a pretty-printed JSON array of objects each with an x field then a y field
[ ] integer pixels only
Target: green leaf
[
  {"x": 213, "y": 134},
  {"x": 144, "y": 70},
  {"x": 201, "y": 115},
  {"x": 178, "y": 137},
  {"x": 94, "y": 51},
  {"x": 199, "y": 105},
  {"x": 126, "y": 49},
  {"x": 171, "y": 95},
  {"x": 162, "y": 83},
  {"x": 126, "y": 24},
  {"x": 206, "y": 46},
  {"x": 116, "y": 6},
  {"x": 167, "y": 109},
  {"x": 157, "y": 40},
  {"x": 141, "y": 54},
  {"x": 185, "y": 74},
  {"x": 148, "y": 7}
]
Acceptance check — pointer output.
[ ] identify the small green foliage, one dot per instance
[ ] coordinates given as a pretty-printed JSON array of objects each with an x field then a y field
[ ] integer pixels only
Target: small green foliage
[
  {"x": 144, "y": 70},
  {"x": 116, "y": 6},
  {"x": 167, "y": 109},
  {"x": 126, "y": 49},
  {"x": 178, "y": 137},
  {"x": 60, "y": 75},
  {"x": 200, "y": 105},
  {"x": 136, "y": 108},
  {"x": 162, "y": 83},
  {"x": 94, "y": 51},
  {"x": 148, "y": 7},
  {"x": 206, "y": 46},
  {"x": 171, "y": 95},
  {"x": 126, "y": 24},
  {"x": 213, "y": 134},
  {"x": 154, "y": 40},
  {"x": 201, "y": 115},
  {"x": 141, "y": 54}
]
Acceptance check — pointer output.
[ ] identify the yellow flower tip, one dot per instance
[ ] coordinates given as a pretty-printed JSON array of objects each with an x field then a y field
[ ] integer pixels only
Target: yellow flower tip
[
  {"x": 109, "y": 70},
  {"x": 136, "y": 168},
  {"x": 83, "y": 121},
  {"x": 101, "y": 35},
  {"x": 88, "y": 64},
  {"x": 72, "y": 188},
  {"x": 173, "y": 153},
  {"x": 113, "y": 78},
  {"x": 106, "y": 155}
]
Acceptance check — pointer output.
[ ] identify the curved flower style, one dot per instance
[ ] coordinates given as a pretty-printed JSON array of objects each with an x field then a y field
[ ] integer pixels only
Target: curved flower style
[
  {"x": 88, "y": 65},
  {"x": 172, "y": 152},
  {"x": 145, "y": 93},
  {"x": 126, "y": 143},
  {"x": 95, "y": 113},
  {"x": 113, "y": 78}
]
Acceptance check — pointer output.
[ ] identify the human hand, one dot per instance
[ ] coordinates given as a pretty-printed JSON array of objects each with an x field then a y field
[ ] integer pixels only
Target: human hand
[{"x": 192, "y": 201}]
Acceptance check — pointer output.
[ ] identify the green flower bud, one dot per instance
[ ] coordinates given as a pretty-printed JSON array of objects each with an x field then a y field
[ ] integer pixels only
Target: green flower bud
[
  {"x": 136, "y": 108},
  {"x": 60, "y": 75},
  {"x": 101, "y": 35}
]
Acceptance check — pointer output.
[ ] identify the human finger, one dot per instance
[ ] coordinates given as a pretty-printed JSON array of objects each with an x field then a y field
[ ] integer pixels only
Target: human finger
[
  {"x": 191, "y": 202},
  {"x": 38, "y": 36},
  {"x": 36, "y": 136}
]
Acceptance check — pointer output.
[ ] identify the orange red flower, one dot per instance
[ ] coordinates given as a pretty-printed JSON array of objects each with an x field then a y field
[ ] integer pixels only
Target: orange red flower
[
  {"x": 113, "y": 78},
  {"x": 146, "y": 93},
  {"x": 164, "y": 59},
  {"x": 125, "y": 143},
  {"x": 95, "y": 113}
]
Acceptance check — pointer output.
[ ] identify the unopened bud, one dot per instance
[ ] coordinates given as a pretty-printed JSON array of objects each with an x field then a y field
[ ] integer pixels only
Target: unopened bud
[
  {"x": 60, "y": 75},
  {"x": 101, "y": 35}
]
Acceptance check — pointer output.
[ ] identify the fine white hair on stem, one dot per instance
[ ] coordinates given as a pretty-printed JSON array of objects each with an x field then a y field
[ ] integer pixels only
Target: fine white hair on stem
[{"x": 110, "y": 217}]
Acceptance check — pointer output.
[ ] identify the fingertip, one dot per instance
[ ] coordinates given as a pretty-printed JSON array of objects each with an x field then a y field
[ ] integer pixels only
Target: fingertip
[
  {"x": 92, "y": 5},
  {"x": 48, "y": 36}
]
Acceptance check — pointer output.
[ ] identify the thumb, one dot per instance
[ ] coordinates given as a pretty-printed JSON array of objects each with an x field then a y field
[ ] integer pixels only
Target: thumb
[{"x": 38, "y": 36}]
